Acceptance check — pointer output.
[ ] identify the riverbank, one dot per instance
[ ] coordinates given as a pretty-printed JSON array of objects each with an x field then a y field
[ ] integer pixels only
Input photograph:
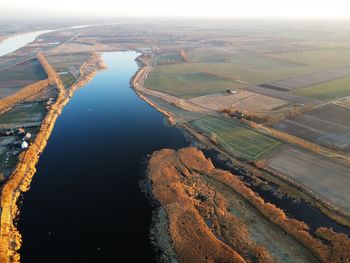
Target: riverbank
[
  {"x": 199, "y": 204},
  {"x": 19, "y": 182}
]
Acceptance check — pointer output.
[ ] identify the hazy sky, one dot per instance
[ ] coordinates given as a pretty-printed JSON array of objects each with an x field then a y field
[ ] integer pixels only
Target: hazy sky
[{"x": 198, "y": 8}]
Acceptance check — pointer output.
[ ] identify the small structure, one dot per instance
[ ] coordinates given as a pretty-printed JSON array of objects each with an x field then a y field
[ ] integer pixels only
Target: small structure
[
  {"x": 21, "y": 131},
  {"x": 24, "y": 145},
  {"x": 231, "y": 91},
  {"x": 238, "y": 115}
]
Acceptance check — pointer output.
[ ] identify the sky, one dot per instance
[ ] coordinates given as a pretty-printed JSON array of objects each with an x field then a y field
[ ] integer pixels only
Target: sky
[{"x": 177, "y": 8}]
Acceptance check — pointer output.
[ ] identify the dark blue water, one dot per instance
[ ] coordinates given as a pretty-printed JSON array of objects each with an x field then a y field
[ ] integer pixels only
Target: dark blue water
[{"x": 84, "y": 204}]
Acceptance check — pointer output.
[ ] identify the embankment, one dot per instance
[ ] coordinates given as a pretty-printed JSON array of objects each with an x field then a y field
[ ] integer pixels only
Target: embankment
[
  {"x": 50, "y": 71},
  {"x": 10, "y": 238}
]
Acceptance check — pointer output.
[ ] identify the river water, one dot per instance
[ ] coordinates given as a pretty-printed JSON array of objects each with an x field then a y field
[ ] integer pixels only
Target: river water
[
  {"x": 16, "y": 42},
  {"x": 84, "y": 204}
]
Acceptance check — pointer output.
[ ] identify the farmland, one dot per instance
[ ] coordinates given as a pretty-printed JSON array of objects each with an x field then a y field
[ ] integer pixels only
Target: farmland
[
  {"x": 68, "y": 66},
  {"x": 237, "y": 139},
  {"x": 25, "y": 114},
  {"x": 184, "y": 80},
  {"x": 169, "y": 58},
  {"x": 246, "y": 65},
  {"x": 16, "y": 77},
  {"x": 327, "y": 125},
  {"x": 321, "y": 58},
  {"x": 326, "y": 91},
  {"x": 242, "y": 99},
  {"x": 312, "y": 79},
  {"x": 325, "y": 177}
]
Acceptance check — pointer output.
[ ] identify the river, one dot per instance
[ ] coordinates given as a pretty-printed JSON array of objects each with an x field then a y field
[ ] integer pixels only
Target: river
[
  {"x": 16, "y": 42},
  {"x": 84, "y": 204}
]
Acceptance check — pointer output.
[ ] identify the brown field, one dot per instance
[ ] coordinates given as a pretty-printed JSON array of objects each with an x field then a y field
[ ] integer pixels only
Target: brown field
[
  {"x": 323, "y": 176},
  {"x": 283, "y": 95},
  {"x": 243, "y": 99},
  {"x": 16, "y": 77},
  {"x": 312, "y": 79},
  {"x": 328, "y": 125}
]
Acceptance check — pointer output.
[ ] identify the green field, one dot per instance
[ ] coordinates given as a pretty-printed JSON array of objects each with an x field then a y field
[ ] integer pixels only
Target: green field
[
  {"x": 18, "y": 76},
  {"x": 237, "y": 139},
  {"x": 326, "y": 91},
  {"x": 68, "y": 79},
  {"x": 63, "y": 61},
  {"x": 25, "y": 114},
  {"x": 184, "y": 80},
  {"x": 28, "y": 70},
  {"x": 190, "y": 80},
  {"x": 69, "y": 65},
  {"x": 322, "y": 58},
  {"x": 169, "y": 58}
]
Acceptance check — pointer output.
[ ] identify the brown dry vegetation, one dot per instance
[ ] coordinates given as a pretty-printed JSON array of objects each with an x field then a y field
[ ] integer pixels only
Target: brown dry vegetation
[
  {"x": 184, "y": 55},
  {"x": 180, "y": 180},
  {"x": 50, "y": 71}
]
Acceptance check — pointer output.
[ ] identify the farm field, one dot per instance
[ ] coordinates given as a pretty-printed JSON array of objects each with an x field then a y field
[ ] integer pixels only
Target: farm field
[
  {"x": 312, "y": 79},
  {"x": 68, "y": 65},
  {"x": 328, "y": 125},
  {"x": 169, "y": 58},
  {"x": 242, "y": 99},
  {"x": 246, "y": 65},
  {"x": 326, "y": 91},
  {"x": 237, "y": 139},
  {"x": 23, "y": 115},
  {"x": 16, "y": 77},
  {"x": 321, "y": 58},
  {"x": 215, "y": 69},
  {"x": 184, "y": 80},
  {"x": 323, "y": 176}
]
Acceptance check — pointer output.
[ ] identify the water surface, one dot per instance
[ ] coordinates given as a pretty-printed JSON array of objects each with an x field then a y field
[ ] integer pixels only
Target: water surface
[
  {"x": 84, "y": 204},
  {"x": 16, "y": 42}
]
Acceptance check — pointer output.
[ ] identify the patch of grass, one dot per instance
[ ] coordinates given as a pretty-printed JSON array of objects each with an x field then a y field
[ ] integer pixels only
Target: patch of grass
[
  {"x": 61, "y": 62},
  {"x": 23, "y": 114},
  {"x": 68, "y": 79},
  {"x": 28, "y": 70},
  {"x": 18, "y": 76},
  {"x": 186, "y": 81},
  {"x": 237, "y": 139},
  {"x": 318, "y": 58},
  {"x": 326, "y": 91},
  {"x": 170, "y": 58}
]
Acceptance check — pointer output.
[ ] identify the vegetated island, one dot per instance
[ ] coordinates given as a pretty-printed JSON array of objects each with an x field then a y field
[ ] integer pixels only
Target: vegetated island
[
  {"x": 19, "y": 181},
  {"x": 204, "y": 214}
]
